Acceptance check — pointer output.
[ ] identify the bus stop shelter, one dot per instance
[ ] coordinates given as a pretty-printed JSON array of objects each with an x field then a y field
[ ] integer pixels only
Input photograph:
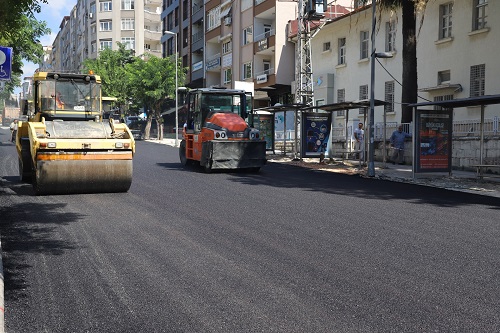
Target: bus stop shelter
[
  {"x": 422, "y": 139},
  {"x": 299, "y": 109}
]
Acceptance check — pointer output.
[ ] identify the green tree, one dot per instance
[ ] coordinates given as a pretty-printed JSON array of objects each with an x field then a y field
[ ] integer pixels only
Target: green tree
[
  {"x": 24, "y": 40},
  {"x": 409, "y": 11},
  {"x": 110, "y": 66},
  {"x": 153, "y": 81}
]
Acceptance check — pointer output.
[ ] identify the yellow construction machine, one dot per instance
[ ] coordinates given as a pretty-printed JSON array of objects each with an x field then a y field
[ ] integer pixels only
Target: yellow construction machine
[{"x": 65, "y": 146}]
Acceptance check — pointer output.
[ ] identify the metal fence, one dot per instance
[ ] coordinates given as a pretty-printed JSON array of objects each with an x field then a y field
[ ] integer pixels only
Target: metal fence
[{"x": 461, "y": 128}]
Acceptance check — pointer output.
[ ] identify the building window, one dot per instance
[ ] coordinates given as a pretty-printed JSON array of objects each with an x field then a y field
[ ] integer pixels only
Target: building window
[
  {"x": 326, "y": 47},
  {"x": 93, "y": 29},
  {"x": 185, "y": 37},
  {"x": 247, "y": 70},
  {"x": 248, "y": 35},
  {"x": 228, "y": 76},
  {"x": 445, "y": 16},
  {"x": 342, "y": 51},
  {"x": 93, "y": 47},
  {"x": 363, "y": 48},
  {"x": 480, "y": 8},
  {"x": 477, "y": 76},
  {"x": 127, "y": 4},
  {"x": 245, "y": 4},
  {"x": 363, "y": 95},
  {"x": 227, "y": 47},
  {"x": 105, "y": 44},
  {"x": 92, "y": 9},
  {"x": 170, "y": 21},
  {"x": 129, "y": 43},
  {"x": 213, "y": 18},
  {"x": 341, "y": 99},
  {"x": 128, "y": 24},
  {"x": 444, "y": 77},
  {"x": 389, "y": 96},
  {"x": 267, "y": 66},
  {"x": 440, "y": 99},
  {"x": 106, "y": 6},
  {"x": 106, "y": 25},
  {"x": 390, "y": 36}
]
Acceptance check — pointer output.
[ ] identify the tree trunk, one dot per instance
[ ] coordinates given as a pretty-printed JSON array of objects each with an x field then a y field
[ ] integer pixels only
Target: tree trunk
[
  {"x": 410, "y": 83},
  {"x": 147, "y": 130}
]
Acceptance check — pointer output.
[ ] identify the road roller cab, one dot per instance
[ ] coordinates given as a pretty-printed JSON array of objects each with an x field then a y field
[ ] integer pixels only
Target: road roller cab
[
  {"x": 219, "y": 133},
  {"x": 65, "y": 146}
]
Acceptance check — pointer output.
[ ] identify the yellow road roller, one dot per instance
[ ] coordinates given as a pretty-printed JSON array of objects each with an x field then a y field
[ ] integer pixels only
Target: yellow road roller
[{"x": 66, "y": 147}]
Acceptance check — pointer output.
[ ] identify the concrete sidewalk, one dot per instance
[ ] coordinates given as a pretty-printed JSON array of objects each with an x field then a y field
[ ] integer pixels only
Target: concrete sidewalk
[{"x": 460, "y": 180}]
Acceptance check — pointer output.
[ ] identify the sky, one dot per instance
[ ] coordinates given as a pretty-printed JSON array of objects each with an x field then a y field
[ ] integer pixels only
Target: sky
[{"x": 52, "y": 13}]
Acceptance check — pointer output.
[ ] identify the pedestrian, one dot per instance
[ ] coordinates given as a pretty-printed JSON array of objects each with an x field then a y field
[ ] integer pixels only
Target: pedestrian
[
  {"x": 13, "y": 130},
  {"x": 398, "y": 143},
  {"x": 359, "y": 136}
]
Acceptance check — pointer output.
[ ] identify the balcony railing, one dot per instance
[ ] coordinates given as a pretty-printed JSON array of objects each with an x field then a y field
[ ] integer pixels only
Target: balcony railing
[
  {"x": 197, "y": 36},
  {"x": 213, "y": 62},
  {"x": 152, "y": 35},
  {"x": 265, "y": 35}
]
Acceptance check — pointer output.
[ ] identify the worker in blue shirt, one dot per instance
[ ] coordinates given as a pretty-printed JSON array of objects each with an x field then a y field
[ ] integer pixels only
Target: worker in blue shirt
[{"x": 398, "y": 143}]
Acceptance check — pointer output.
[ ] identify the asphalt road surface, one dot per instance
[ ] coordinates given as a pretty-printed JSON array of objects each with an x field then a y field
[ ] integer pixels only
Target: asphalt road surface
[{"x": 284, "y": 250}]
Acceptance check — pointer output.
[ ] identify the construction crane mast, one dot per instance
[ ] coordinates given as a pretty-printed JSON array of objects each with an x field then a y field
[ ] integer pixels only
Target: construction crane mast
[{"x": 308, "y": 11}]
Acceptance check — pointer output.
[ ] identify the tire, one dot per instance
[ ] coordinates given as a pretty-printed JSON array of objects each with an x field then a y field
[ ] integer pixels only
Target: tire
[
  {"x": 25, "y": 164},
  {"x": 182, "y": 154},
  {"x": 208, "y": 166}
]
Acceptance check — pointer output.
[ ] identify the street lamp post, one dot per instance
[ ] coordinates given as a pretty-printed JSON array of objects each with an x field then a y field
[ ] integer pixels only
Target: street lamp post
[
  {"x": 371, "y": 129},
  {"x": 176, "y": 88}
]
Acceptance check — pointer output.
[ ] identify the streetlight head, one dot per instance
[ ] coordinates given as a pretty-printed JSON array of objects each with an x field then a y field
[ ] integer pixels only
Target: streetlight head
[
  {"x": 383, "y": 55},
  {"x": 169, "y": 32}
]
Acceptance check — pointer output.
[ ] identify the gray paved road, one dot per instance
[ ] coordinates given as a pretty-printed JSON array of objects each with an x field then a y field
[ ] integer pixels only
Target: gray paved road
[{"x": 285, "y": 250}]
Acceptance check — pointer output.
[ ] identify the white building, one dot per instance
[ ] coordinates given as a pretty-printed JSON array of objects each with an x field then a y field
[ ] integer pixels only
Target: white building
[{"x": 457, "y": 47}]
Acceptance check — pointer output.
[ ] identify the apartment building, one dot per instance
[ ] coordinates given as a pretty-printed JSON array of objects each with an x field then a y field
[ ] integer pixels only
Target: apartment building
[
  {"x": 95, "y": 25},
  {"x": 456, "y": 54},
  {"x": 235, "y": 44}
]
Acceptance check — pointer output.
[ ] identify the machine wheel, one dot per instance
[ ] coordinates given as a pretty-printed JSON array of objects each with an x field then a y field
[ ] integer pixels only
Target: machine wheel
[
  {"x": 208, "y": 166},
  {"x": 182, "y": 153},
  {"x": 25, "y": 164}
]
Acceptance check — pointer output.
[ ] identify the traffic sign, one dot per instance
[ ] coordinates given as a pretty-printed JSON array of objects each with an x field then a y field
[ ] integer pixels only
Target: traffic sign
[{"x": 5, "y": 63}]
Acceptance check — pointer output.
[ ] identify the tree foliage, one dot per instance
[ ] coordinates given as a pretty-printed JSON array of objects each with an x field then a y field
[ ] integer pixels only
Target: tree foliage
[
  {"x": 110, "y": 66},
  {"x": 409, "y": 11},
  {"x": 153, "y": 81},
  {"x": 21, "y": 31},
  {"x": 143, "y": 81}
]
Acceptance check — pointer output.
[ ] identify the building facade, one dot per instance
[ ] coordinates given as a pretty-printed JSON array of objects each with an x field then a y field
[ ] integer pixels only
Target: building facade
[
  {"x": 456, "y": 55},
  {"x": 95, "y": 25}
]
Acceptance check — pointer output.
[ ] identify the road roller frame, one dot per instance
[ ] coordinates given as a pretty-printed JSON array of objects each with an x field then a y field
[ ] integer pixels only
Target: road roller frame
[
  {"x": 219, "y": 133},
  {"x": 65, "y": 147}
]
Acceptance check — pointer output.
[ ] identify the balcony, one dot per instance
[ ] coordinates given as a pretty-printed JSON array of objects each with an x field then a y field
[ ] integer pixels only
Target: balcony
[
  {"x": 213, "y": 63},
  {"x": 265, "y": 78},
  {"x": 151, "y": 16},
  {"x": 265, "y": 45},
  {"x": 152, "y": 35}
]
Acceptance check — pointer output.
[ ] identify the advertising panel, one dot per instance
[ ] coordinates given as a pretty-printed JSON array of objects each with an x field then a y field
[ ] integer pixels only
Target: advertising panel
[
  {"x": 433, "y": 140},
  {"x": 265, "y": 125},
  {"x": 316, "y": 133}
]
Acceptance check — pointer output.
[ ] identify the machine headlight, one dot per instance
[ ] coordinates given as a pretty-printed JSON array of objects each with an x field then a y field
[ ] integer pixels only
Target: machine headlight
[
  {"x": 47, "y": 144},
  {"x": 254, "y": 135},
  {"x": 220, "y": 135}
]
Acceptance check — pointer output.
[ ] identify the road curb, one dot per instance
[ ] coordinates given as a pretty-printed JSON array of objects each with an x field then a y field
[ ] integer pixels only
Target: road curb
[{"x": 2, "y": 308}]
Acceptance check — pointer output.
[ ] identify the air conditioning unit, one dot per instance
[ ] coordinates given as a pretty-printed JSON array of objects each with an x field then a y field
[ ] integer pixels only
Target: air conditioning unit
[
  {"x": 90, "y": 15},
  {"x": 227, "y": 20}
]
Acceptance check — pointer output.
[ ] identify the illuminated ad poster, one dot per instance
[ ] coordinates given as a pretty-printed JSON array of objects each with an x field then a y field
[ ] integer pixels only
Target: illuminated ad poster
[
  {"x": 316, "y": 133},
  {"x": 266, "y": 124},
  {"x": 433, "y": 142}
]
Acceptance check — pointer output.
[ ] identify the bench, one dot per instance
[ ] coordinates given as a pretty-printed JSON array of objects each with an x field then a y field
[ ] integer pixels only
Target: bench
[{"x": 480, "y": 168}]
